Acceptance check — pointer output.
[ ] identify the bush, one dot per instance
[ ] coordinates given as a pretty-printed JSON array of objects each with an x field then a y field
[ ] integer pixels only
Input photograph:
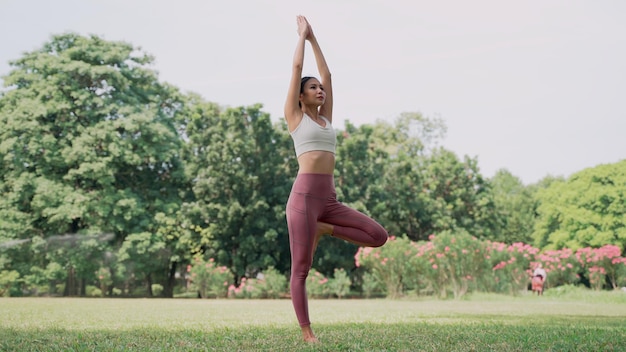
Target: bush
[
  {"x": 248, "y": 288},
  {"x": 389, "y": 265},
  {"x": 210, "y": 280},
  {"x": 339, "y": 285},
  {"x": 456, "y": 262},
  {"x": 92, "y": 291},
  {"x": 157, "y": 289},
  {"x": 561, "y": 267},
  {"x": 370, "y": 285},
  {"x": 272, "y": 283},
  {"x": 601, "y": 264},
  {"x": 269, "y": 284},
  {"x": 8, "y": 279},
  {"x": 511, "y": 266},
  {"x": 316, "y": 284}
]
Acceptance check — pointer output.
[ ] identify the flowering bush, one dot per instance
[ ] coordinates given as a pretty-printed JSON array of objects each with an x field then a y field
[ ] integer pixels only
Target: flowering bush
[
  {"x": 248, "y": 288},
  {"x": 269, "y": 284},
  {"x": 597, "y": 277},
  {"x": 511, "y": 265},
  {"x": 316, "y": 284},
  {"x": 273, "y": 283},
  {"x": 458, "y": 263},
  {"x": 209, "y": 279},
  {"x": 456, "y": 260},
  {"x": 601, "y": 263},
  {"x": 339, "y": 285},
  {"x": 389, "y": 265},
  {"x": 105, "y": 279},
  {"x": 561, "y": 267},
  {"x": 370, "y": 285}
]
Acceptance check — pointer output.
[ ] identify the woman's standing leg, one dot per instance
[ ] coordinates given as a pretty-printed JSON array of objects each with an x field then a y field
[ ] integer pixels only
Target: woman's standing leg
[{"x": 303, "y": 209}]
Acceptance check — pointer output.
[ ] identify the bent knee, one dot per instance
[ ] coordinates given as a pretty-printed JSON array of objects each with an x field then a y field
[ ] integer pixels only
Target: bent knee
[{"x": 380, "y": 239}]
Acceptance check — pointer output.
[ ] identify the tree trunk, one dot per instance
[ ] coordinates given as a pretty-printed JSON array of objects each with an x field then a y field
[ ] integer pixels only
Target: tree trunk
[
  {"x": 168, "y": 290},
  {"x": 149, "y": 281},
  {"x": 70, "y": 283}
]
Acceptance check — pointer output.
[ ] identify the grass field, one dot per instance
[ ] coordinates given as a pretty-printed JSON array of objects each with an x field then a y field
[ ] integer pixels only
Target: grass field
[{"x": 479, "y": 323}]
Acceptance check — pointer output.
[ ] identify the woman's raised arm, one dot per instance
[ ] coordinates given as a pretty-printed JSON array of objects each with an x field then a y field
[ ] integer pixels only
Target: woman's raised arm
[
  {"x": 293, "y": 113},
  {"x": 326, "y": 110}
]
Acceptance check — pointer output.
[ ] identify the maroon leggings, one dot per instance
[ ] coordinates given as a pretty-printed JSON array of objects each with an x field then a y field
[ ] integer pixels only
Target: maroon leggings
[{"x": 313, "y": 199}]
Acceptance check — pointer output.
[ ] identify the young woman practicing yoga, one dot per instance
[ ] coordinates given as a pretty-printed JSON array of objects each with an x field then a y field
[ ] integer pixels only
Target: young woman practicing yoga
[{"x": 312, "y": 208}]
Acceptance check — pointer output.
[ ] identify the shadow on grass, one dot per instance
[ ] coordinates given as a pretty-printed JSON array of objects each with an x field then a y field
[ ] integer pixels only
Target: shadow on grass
[{"x": 464, "y": 334}]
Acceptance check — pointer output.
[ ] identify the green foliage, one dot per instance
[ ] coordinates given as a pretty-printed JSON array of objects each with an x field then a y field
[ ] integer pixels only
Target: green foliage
[
  {"x": 93, "y": 291},
  {"x": 316, "y": 284},
  {"x": 8, "y": 279},
  {"x": 269, "y": 284},
  {"x": 601, "y": 264},
  {"x": 456, "y": 263},
  {"x": 370, "y": 285},
  {"x": 460, "y": 197},
  {"x": 339, "y": 285},
  {"x": 274, "y": 284},
  {"x": 511, "y": 266},
  {"x": 241, "y": 171},
  {"x": 209, "y": 279},
  {"x": 515, "y": 206},
  {"x": 389, "y": 265},
  {"x": 88, "y": 147},
  {"x": 585, "y": 210},
  {"x": 110, "y": 178},
  {"x": 157, "y": 289},
  {"x": 562, "y": 265}
]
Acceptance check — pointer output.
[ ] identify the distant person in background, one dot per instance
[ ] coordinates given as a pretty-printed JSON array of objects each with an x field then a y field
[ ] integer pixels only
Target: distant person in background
[
  {"x": 539, "y": 277},
  {"x": 312, "y": 208}
]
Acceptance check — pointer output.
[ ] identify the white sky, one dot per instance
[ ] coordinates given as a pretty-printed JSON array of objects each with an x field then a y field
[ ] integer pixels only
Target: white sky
[{"x": 537, "y": 87}]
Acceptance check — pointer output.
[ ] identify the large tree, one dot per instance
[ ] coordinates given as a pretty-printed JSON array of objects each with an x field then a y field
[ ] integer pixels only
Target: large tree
[
  {"x": 460, "y": 198},
  {"x": 88, "y": 146},
  {"x": 515, "y": 206},
  {"x": 587, "y": 209},
  {"x": 242, "y": 168}
]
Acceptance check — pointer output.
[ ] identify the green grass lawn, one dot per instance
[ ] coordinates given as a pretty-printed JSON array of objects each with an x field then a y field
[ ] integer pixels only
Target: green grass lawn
[{"x": 479, "y": 323}]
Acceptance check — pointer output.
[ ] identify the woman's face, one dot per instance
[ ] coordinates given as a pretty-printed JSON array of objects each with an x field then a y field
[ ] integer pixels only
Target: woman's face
[{"x": 313, "y": 93}]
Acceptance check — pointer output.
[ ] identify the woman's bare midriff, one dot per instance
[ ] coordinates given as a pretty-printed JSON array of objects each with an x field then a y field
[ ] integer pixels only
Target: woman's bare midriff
[{"x": 317, "y": 162}]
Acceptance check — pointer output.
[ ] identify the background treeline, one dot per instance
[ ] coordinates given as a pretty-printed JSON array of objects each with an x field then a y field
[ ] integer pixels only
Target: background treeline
[{"x": 112, "y": 179}]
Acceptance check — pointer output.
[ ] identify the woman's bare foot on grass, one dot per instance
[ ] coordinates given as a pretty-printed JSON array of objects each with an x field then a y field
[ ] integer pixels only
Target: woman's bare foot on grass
[{"x": 308, "y": 335}]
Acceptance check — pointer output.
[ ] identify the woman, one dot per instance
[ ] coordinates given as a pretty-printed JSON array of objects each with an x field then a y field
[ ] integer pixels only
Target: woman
[{"x": 312, "y": 208}]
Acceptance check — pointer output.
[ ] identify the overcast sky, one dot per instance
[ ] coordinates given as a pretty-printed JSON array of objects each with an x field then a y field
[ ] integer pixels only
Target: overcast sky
[{"x": 537, "y": 87}]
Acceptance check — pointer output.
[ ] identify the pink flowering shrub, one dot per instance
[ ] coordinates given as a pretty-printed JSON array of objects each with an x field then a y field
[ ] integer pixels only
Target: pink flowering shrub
[
  {"x": 391, "y": 265},
  {"x": 268, "y": 284},
  {"x": 561, "y": 266},
  {"x": 210, "y": 280},
  {"x": 597, "y": 277},
  {"x": 601, "y": 264},
  {"x": 456, "y": 261},
  {"x": 510, "y": 265},
  {"x": 248, "y": 288},
  {"x": 317, "y": 284}
]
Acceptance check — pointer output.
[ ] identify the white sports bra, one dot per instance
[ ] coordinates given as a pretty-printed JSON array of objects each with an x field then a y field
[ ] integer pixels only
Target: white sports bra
[{"x": 310, "y": 136}]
